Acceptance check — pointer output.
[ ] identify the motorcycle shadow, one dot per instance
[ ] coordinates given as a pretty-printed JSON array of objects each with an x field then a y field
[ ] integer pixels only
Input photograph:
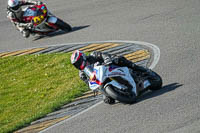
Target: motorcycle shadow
[
  {"x": 60, "y": 32},
  {"x": 163, "y": 90},
  {"x": 150, "y": 94}
]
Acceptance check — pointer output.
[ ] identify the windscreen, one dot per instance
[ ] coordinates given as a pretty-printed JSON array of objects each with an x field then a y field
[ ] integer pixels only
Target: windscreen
[{"x": 32, "y": 12}]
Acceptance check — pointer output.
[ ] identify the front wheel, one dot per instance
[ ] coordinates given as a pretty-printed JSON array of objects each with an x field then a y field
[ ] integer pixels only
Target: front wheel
[
  {"x": 63, "y": 25},
  {"x": 119, "y": 96}
]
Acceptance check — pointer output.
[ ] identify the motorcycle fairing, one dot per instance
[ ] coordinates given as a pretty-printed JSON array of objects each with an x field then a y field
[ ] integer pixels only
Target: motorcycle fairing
[
  {"x": 52, "y": 19},
  {"x": 50, "y": 22},
  {"x": 124, "y": 73},
  {"x": 146, "y": 83},
  {"x": 112, "y": 67},
  {"x": 36, "y": 13},
  {"x": 95, "y": 84},
  {"x": 43, "y": 21},
  {"x": 103, "y": 72}
]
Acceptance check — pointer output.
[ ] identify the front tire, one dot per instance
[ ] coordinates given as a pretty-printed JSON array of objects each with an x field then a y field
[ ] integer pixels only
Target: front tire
[
  {"x": 120, "y": 97},
  {"x": 63, "y": 25}
]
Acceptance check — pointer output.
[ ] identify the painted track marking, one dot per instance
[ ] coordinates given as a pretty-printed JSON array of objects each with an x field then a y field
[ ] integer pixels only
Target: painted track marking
[
  {"x": 136, "y": 55},
  {"x": 156, "y": 58}
]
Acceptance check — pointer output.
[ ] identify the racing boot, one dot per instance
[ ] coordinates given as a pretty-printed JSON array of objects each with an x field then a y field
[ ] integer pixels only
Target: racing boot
[
  {"x": 122, "y": 61},
  {"x": 26, "y": 33},
  {"x": 108, "y": 100},
  {"x": 135, "y": 67},
  {"x": 139, "y": 68}
]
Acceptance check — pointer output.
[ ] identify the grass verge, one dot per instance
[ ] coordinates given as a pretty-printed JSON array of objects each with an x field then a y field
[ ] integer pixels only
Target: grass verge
[{"x": 32, "y": 86}]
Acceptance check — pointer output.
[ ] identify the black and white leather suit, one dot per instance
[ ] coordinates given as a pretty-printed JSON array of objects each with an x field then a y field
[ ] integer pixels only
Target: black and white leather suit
[
  {"x": 16, "y": 18},
  {"x": 104, "y": 58}
]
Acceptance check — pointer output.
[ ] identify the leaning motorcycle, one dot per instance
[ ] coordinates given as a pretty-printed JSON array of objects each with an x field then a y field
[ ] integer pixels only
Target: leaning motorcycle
[
  {"x": 43, "y": 21},
  {"x": 121, "y": 83}
]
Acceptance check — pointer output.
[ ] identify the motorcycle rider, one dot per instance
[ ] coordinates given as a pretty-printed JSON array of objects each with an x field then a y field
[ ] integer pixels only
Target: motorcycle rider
[
  {"x": 80, "y": 61},
  {"x": 15, "y": 14}
]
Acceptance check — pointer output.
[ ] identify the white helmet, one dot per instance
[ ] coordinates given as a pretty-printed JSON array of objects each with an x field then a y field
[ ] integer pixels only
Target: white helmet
[
  {"x": 78, "y": 59},
  {"x": 13, "y": 3},
  {"x": 15, "y": 7}
]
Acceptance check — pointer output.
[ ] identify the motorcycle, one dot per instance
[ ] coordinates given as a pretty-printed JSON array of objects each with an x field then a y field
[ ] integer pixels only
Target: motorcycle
[
  {"x": 121, "y": 83},
  {"x": 43, "y": 22}
]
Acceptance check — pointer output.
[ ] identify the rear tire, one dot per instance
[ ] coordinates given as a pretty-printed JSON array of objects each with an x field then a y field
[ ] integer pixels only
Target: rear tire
[
  {"x": 156, "y": 82},
  {"x": 63, "y": 25},
  {"x": 120, "y": 97}
]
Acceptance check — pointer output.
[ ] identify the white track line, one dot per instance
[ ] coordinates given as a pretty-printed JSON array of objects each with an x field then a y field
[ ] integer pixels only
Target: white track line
[{"x": 155, "y": 49}]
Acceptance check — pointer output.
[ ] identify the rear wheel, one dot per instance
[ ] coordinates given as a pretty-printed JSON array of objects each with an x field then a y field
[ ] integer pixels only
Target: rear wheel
[
  {"x": 63, "y": 25},
  {"x": 156, "y": 81},
  {"x": 119, "y": 96}
]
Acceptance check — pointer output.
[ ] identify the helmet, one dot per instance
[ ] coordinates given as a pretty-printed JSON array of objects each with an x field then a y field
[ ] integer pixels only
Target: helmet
[
  {"x": 14, "y": 6},
  {"x": 13, "y": 3},
  {"x": 78, "y": 59}
]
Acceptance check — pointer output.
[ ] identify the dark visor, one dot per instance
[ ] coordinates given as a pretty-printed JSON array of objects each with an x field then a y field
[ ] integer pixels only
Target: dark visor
[
  {"x": 78, "y": 63},
  {"x": 15, "y": 7}
]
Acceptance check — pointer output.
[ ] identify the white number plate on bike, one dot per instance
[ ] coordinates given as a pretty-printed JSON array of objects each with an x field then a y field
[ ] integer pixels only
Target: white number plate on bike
[{"x": 146, "y": 83}]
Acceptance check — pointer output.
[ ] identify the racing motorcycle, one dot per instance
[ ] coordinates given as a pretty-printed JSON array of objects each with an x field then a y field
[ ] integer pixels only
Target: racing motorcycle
[
  {"x": 43, "y": 22},
  {"x": 121, "y": 83}
]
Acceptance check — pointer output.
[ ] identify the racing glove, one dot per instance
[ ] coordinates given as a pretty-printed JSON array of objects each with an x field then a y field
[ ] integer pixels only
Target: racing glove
[
  {"x": 114, "y": 60},
  {"x": 38, "y": 3},
  {"x": 107, "y": 61},
  {"x": 83, "y": 76},
  {"x": 29, "y": 26},
  {"x": 24, "y": 25}
]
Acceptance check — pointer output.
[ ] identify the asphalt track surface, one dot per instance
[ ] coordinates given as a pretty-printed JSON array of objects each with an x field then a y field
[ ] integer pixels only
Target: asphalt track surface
[{"x": 172, "y": 25}]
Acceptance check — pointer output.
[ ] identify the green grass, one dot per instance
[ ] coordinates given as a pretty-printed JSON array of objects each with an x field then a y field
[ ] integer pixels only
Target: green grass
[{"x": 33, "y": 85}]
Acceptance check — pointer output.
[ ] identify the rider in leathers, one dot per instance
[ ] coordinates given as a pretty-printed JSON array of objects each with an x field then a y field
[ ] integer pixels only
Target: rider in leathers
[
  {"x": 15, "y": 14},
  {"x": 102, "y": 58},
  {"x": 109, "y": 59}
]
